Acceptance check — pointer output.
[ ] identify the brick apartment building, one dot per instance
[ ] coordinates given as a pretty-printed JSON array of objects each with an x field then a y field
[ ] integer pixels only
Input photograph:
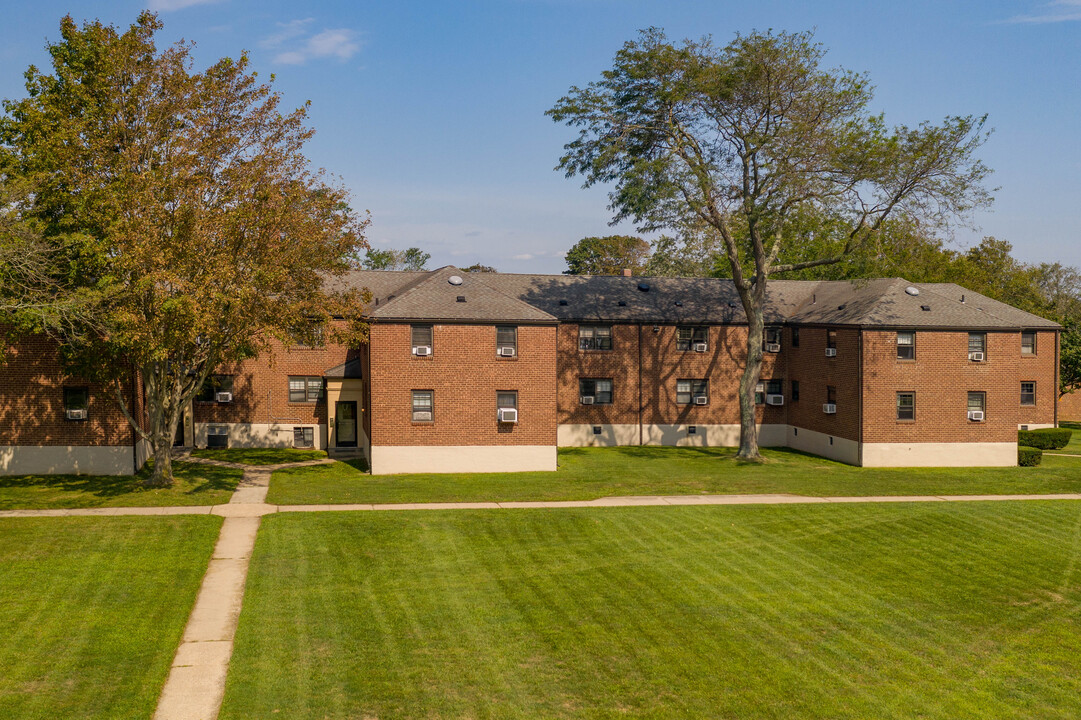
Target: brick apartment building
[{"x": 485, "y": 372}]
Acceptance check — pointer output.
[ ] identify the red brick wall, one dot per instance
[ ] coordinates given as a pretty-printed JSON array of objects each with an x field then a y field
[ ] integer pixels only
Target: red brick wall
[
  {"x": 32, "y": 402},
  {"x": 809, "y": 365},
  {"x": 261, "y": 386},
  {"x": 941, "y": 376},
  {"x": 465, "y": 373}
]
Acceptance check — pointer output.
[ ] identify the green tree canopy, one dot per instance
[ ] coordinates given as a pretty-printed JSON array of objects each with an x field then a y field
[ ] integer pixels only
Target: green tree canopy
[
  {"x": 748, "y": 137},
  {"x": 182, "y": 202},
  {"x": 608, "y": 255},
  {"x": 390, "y": 259}
]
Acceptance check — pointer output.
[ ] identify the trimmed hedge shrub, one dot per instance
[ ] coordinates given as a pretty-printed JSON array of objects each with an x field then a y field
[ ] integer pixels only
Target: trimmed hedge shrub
[
  {"x": 1045, "y": 439},
  {"x": 1029, "y": 456}
]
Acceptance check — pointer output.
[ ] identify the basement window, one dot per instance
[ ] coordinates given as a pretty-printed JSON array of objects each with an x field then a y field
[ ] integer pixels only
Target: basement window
[{"x": 303, "y": 437}]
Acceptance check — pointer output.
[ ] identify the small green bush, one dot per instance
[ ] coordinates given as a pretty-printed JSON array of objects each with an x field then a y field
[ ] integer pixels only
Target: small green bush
[
  {"x": 1029, "y": 456},
  {"x": 1045, "y": 439}
]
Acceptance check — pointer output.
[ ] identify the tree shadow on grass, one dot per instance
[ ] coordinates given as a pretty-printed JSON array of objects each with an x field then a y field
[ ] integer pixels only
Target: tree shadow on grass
[
  {"x": 667, "y": 453},
  {"x": 195, "y": 478}
]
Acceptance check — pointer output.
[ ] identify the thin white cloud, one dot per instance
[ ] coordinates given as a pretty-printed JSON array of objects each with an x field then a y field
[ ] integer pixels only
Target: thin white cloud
[
  {"x": 1053, "y": 12},
  {"x": 297, "y": 46},
  {"x": 524, "y": 256},
  {"x": 288, "y": 31},
  {"x": 171, "y": 5}
]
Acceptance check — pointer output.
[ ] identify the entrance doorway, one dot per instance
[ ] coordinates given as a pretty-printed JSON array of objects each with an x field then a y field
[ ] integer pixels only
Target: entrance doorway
[
  {"x": 178, "y": 439},
  {"x": 345, "y": 419}
]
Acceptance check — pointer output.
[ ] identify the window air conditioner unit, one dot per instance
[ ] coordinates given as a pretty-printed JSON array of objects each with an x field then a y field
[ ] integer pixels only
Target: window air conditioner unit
[
  {"x": 79, "y": 414},
  {"x": 975, "y": 356},
  {"x": 422, "y": 350},
  {"x": 701, "y": 347},
  {"x": 587, "y": 399},
  {"x": 700, "y": 400},
  {"x": 224, "y": 397},
  {"x": 975, "y": 415},
  {"x": 775, "y": 399},
  {"x": 773, "y": 347},
  {"x": 830, "y": 408},
  {"x": 508, "y": 415},
  {"x": 507, "y": 352},
  {"x": 831, "y": 352},
  {"x": 422, "y": 416}
]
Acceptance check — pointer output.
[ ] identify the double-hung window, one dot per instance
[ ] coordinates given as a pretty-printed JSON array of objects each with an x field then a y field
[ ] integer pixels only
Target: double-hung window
[
  {"x": 423, "y": 406},
  {"x": 305, "y": 389},
  {"x": 772, "y": 336},
  {"x": 595, "y": 391},
  {"x": 831, "y": 339},
  {"x": 213, "y": 385},
  {"x": 692, "y": 392},
  {"x": 795, "y": 391},
  {"x": 768, "y": 387},
  {"x": 1028, "y": 393},
  {"x": 506, "y": 340},
  {"x": 906, "y": 406},
  {"x": 795, "y": 337},
  {"x": 906, "y": 345},
  {"x": 422, "y": 339},
  {"x": 1028, "y": 342},
  {"x": 688, "y": 336},
  {"x": 977, "y": 403},
  {"x": 977, "y": 346},
  {"x": 76, "y": 401},
  {"x": 594, "y": 337}
]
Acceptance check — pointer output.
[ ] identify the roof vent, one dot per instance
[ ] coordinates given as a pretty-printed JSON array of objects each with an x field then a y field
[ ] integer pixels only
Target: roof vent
[
  {"x": 840, "y": 307},
  {"x": 912, "y": 290},
  {"x": 622, "y": 303},
  {"x": 562, "y": 302},
  {"x": 925, "y": 308},
  {"x": 679, "y": 303},
  {"x": 643, "y": 286},
  {"x": 461, "y": 298},
  {"x": 455, "y": 280}
]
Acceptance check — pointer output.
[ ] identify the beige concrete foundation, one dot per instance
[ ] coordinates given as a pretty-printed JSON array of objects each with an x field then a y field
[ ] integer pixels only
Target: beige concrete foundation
[
  {"x": 257, "y": 435},
  {"x": 829, "y": 446},
  {"x": 939, "y": 454},
  {"x": 582, "y": 435},
  {"x": 395, "y": 459},
  {"x": 67, "y": 460}
]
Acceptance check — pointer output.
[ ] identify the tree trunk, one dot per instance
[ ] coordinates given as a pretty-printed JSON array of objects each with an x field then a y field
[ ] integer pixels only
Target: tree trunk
[
  {"x": 162, "y": 473},
  {"x": 748, "y": 429}
]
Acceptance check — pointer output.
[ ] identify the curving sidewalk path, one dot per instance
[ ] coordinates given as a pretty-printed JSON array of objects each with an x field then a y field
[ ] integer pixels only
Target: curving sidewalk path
[{"x": 196, "y": 683}]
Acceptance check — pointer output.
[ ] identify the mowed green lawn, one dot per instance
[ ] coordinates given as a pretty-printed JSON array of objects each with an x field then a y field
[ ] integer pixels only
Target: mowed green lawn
[
  {"x": 92, "y": 610},
  {"x": 587, "y": 473},
  {"x": 838, "y": 611},
  {"x": 194, "y": 484},
  {"x": 258, "y": 456}
]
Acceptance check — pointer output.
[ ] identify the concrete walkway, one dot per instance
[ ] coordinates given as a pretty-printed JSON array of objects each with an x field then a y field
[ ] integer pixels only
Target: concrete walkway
[{"x": 196, "y": 683}]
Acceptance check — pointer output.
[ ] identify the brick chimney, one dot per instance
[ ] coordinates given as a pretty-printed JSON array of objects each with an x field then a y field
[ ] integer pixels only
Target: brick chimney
[{"x": 626, "y": 272}]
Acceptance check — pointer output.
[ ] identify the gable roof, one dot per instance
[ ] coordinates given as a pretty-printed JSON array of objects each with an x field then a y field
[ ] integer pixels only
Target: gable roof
[
  {"x": 434, "y": 298},
  {"x": 532, "y": 298}
]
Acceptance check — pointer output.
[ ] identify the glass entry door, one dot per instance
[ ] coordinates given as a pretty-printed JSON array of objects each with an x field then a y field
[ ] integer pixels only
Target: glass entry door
[{"x": 345, "y": 420}]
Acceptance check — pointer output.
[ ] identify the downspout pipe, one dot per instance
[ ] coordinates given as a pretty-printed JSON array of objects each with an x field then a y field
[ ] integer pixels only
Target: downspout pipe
[{"x": 640, "y": 438}]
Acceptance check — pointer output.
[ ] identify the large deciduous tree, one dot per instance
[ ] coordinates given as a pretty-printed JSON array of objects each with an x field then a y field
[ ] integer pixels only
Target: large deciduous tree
[
  {"x": 182, "y": 205},
  {"x": 747, "y": 138},
  {"x": 608, "y": 255}
]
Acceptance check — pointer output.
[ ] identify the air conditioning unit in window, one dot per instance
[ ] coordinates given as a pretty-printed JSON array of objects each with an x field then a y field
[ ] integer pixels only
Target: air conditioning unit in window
[
  {"x": 507, "y": 351},
  {"x": 831, "y": 352},
  {"x": 422, "y": 350},
  {"x": 975, "y": 356},
  {"x": 701, "y": 400},
  {"x": 775, "y": 399},
  {"x": 422, "y": 416},
  {"x": 773, "y": 347},
  {"x": 79, "y": 414},
  {"x": 830, "y": 408},
  {"x": 975, "y": 415},
  {"x": 587, "y": 399},
  {"x": 507, "y": 415},
  {"x": 701, "y": 347},
  {"x": 224, "y": 397}
]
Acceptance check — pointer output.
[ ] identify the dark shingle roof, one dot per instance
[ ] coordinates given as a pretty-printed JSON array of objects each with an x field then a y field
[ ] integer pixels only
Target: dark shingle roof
[
  {"x": 493, "y": 297},
  {"x": 347, "y": 370},
  {"x": 435, "y": 298}
]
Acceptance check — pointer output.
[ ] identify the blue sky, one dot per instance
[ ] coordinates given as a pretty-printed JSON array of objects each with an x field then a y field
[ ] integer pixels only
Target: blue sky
[{"x": 432, "y": 113}]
